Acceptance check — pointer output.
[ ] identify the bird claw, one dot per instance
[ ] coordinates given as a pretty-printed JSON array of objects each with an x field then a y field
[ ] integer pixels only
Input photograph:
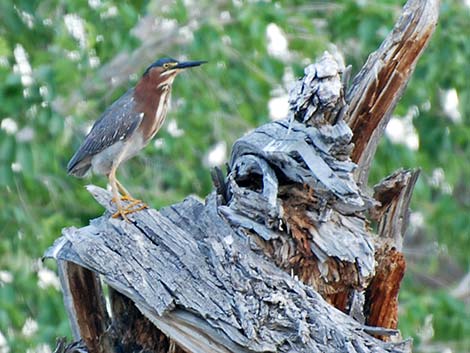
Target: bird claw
[
  {"x": 125, "y": 211},
  {"x": 121, "y": 213},
  {"x": 130, "y": 208},
  {"x": 127, "y": 197}
]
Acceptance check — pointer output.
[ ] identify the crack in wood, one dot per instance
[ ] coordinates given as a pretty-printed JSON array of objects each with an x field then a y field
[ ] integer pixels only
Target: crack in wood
[{"x": 243, "y": 271}]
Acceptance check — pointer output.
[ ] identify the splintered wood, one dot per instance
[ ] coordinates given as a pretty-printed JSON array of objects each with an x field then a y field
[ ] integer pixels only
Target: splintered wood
[
  {"x": 308, "y": 180},
  {"x": 283, "y": 242},
  {"x": 392, "y": 215},
  {"x": 379, "y": 85}
]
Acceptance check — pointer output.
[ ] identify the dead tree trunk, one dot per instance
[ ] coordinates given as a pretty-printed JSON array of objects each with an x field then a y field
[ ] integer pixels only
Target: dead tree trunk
[{"x": 280, "y": 257}]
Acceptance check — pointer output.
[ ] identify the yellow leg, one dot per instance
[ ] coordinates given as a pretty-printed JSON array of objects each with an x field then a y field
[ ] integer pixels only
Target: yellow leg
[
  {"x": 132, "y": 201},
  {"x": 126, "y": 194},
  {"x": 131, "y": 206},
  {"x": 116, "y": 197}
]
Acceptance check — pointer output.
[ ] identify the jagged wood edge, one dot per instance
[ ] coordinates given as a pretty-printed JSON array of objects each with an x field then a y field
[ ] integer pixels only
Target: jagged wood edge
[
  {"x": 394, "y": 194},
  {"x": 189, "y": 329},
  {"x": 392, "y": 216},
  {"x": 377, "y": 88},
  {"x": 85, "y": 306}
]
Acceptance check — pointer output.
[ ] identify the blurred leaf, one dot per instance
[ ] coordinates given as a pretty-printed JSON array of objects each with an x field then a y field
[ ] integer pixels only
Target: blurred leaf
[{"x": 217, "y": 102}]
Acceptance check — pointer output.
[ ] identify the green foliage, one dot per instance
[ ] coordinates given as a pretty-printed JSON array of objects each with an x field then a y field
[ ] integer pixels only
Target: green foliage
[
  {"x": 52, "y": 86},
  {"x": 446, "y": 316}
]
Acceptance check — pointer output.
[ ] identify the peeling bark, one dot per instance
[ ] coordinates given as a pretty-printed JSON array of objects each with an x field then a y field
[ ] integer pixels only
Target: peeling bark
[
  {"x": 201, "y": 283},
  {"x": 394, "y": 194},
  {"x": 282, "y": 243},
  {"x": 87, "y": 310},
  {"x": 379, "y": 85},
  {"x": 382, "y": 293},
  {"x": 133, "y": 332}
]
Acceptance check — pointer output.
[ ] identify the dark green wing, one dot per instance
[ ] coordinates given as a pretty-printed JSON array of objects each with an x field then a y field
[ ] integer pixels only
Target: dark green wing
[{"x": 117, "y": 123}]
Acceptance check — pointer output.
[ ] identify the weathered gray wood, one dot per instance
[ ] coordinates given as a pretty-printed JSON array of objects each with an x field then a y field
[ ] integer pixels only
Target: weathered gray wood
[
  {"x": 246, "y": 271},
  {"x": 372, "y": 97},
  {"x": 68, "y": 299},
  {"x": 379, "y": 85},
  {"x": 85, "y": 306},
  {"x": 200, "y": 283},
  {"x": 133, "y": 331},
  {"x": 394, "y": 194},
  {"x": 310, "y": 148}
]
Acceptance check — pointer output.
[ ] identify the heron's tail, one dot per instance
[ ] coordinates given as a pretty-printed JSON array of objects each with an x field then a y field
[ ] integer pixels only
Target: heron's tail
[{"x": 78, "y": 167}]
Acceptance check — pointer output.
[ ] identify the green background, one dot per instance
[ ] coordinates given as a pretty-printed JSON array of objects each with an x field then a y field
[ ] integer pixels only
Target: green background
[{"x": 63, "y": 62}]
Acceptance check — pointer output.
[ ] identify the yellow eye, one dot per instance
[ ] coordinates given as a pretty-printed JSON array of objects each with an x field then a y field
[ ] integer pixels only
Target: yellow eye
[{"x": 167, "y": 66}]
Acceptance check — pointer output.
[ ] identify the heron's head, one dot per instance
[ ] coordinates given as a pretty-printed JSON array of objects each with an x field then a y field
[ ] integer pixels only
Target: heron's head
[{"x": 165, "y": 70}]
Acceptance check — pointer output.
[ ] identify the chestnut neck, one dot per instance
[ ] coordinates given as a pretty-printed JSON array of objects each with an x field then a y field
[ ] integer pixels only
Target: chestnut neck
[{"x": 148, "y": 95}]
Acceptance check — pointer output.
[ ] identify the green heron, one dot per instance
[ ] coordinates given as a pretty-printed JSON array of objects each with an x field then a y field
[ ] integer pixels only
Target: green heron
[{"x": 126, "y": 127}]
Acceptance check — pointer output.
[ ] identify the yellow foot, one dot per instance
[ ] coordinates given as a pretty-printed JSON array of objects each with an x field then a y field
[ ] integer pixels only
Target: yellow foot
[
  {"x": 121, "y": 213},
  {"x": 130, "y": 208},
  {"x": 133, "y": 205},
  {"x": 127, "y": 197}
]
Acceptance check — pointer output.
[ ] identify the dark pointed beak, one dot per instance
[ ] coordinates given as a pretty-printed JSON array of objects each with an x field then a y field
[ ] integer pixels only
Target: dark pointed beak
[{"x": 186, "y": 64}]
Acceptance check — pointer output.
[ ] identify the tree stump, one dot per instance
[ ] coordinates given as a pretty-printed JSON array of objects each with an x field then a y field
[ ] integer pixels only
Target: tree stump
[{"x": 280, "y": 257}]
